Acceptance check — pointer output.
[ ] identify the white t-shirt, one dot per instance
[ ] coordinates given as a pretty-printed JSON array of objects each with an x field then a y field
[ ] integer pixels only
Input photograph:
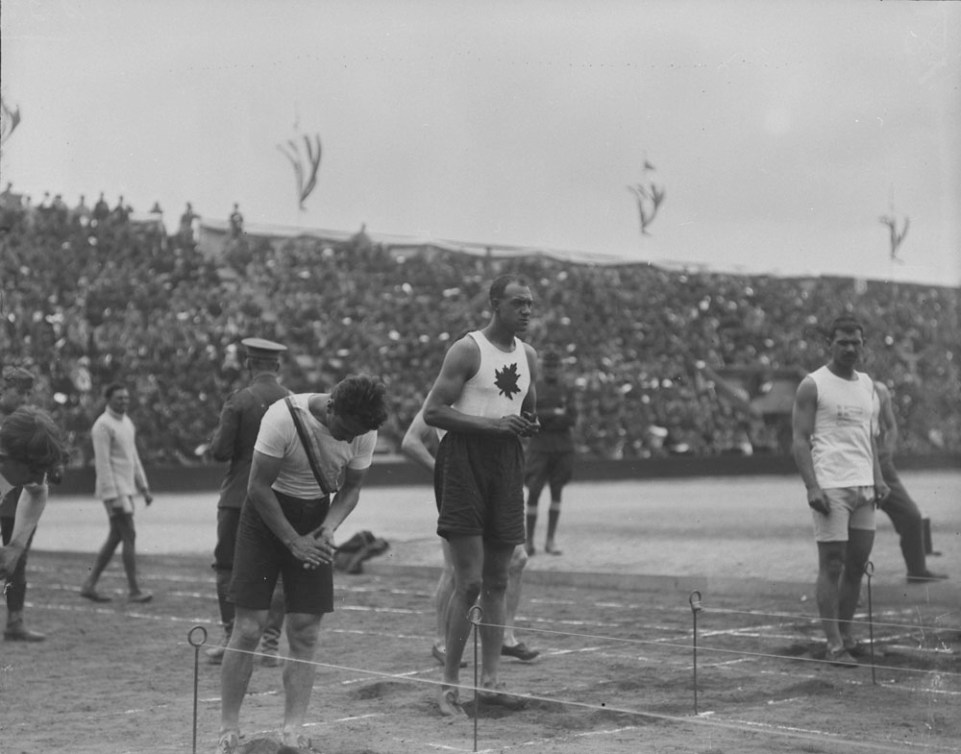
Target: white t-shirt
[{"x": 278, "y": 438}]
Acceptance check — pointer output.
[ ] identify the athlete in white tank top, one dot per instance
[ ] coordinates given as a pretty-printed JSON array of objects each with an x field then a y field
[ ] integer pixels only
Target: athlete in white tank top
[
  {"x": 501, "y": 382},
  {"x": 841, "y": 443}
]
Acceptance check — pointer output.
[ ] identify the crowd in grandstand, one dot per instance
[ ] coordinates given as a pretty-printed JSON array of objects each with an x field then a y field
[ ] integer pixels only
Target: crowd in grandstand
[{"x": 93, "y": 295}]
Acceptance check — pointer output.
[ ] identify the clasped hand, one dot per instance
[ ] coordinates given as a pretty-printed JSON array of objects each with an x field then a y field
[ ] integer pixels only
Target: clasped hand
[
  {"x": 313, "y": 549},
  {"x": 522, "y": 426}
]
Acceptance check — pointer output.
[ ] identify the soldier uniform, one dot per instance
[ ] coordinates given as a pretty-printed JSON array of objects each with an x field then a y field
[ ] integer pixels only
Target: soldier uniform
[{"x": 233, "y": 441}]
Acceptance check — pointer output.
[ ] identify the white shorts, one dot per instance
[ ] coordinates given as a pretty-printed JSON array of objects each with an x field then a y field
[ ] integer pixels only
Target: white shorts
[
  {"x": 119, "y": 504},
  {"x": 850, "y": 508}
]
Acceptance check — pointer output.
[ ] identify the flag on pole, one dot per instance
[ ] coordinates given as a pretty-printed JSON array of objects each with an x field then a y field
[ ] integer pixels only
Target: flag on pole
[
  {"x": 306, "y": 165},
  {"x": 9, "y": 120}
]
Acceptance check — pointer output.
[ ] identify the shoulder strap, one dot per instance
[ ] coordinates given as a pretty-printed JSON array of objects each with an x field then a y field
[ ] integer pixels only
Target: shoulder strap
[{"x": 305, "y": 441}]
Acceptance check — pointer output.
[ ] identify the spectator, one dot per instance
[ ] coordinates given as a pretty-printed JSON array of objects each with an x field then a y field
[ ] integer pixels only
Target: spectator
[{"x": 120, "y": 475}]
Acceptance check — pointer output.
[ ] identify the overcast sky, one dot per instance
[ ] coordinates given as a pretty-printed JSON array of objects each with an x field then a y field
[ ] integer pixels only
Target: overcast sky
[{"x": 780, "y": 131}]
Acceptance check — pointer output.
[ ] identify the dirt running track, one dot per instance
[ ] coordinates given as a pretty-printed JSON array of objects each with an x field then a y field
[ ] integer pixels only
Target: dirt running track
[{"x": 615, "y": 674}]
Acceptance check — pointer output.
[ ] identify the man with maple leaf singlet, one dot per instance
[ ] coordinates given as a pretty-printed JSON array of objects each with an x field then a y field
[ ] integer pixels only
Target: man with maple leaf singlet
[{"x": 483, "y": 402}]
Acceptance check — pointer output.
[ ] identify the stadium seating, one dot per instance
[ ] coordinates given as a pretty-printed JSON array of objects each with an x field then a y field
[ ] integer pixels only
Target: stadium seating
[{"x": 87, "y": 300}]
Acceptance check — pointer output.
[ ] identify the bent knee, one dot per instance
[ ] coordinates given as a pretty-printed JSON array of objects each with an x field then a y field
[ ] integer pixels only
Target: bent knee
[{"x": 249, "y": 629}]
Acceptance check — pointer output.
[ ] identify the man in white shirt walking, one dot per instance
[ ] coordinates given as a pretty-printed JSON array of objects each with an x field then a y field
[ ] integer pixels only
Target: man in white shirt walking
[{"x": 120, "y": 476}]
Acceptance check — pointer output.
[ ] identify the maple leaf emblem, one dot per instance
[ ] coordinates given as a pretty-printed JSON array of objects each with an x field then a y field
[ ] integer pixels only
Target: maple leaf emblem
[{"x": 506, "y": 380}]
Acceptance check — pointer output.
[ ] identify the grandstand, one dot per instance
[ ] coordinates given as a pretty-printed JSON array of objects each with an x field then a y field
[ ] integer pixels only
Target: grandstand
[{"x": 653, "y": 351}]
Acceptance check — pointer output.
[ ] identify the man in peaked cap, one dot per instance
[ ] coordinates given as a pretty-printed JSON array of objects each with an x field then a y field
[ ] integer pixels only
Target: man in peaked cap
[{"x": 233, "y": 441}]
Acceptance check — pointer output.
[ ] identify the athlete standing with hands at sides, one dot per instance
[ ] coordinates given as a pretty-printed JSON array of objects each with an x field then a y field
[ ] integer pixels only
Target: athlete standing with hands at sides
[
  {"x": 837, "y": 456},
  {"x": 484, "y": 401}
]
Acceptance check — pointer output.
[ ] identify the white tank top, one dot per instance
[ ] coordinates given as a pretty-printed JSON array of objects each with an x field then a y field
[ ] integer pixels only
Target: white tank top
[
  {"x": 500, "y": 384},
  {"x": 843, "y": 427}
]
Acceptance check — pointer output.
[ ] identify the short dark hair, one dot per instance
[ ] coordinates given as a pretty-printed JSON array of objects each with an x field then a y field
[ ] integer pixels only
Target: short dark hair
[
  {"x": 846, "y": 322},
  {"x": 500, "y": 285},
  {"x": 17, "y": 377},
  {"x": 361, "y": 397},
  {"x": 112, "y": 388},
  {"x": 30, "y": 435}
]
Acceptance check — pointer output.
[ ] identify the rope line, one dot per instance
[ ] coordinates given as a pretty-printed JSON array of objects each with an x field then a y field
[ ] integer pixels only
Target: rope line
[
  {"x": 705, "y": 720},
  {"x": 719, "y": 650}
]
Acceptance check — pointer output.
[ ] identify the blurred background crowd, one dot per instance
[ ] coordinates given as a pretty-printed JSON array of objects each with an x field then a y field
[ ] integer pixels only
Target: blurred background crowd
[{"x": 91, "y": 295}]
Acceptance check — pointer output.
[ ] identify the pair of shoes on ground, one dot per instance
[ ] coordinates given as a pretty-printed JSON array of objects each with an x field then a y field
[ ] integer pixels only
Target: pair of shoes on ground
[
  {"x": 140, "y": 597},
  {"x": 441, "y": 656},
  {"x": 925, "y": 577},
  {"x": 521, "y": 651}
]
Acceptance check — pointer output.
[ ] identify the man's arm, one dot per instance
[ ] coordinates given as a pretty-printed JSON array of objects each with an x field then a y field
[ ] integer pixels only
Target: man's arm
[
  {"x": 225, "y": 436},
  {"x": 30, "y": 505},
  {"x": 344, "y": 502},
  {"x": 886, "y": 421},
  {"x": 529, "y": 406},
  {"x": 881, "y": 489},
  {"x": 414, "y": 444},
  {"x": 263, "y": 473},
  {"x": 805, "y": 411},
  {"x": 140, "y": 476},
  {"x": 882, "y": 445}
]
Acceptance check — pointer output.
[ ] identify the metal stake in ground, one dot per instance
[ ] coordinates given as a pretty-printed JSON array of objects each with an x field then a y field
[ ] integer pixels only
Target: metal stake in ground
[
  {"x": 476, "y": 615},
  {"x": 869, "y": 570},
  {"x": 196, "y": 637},
  {"x": 694, "y": 599}
]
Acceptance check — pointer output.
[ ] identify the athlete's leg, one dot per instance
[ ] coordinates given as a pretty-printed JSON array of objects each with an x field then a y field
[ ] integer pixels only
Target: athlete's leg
[
  {"x": 442, "y": 594},
  {"x": 497, "y": 558},
  {"x": 467, "y": 557},
  {"x": 299, "y": 674},
  {"x": 238, "y": 664},
  {"x": 128, "y": 537},
  {"x": 831, "y": 558},
  {"x": 515, "y": 573},
  {"x": 860, "y": 542},
  {"x": 105, "y": 554}
]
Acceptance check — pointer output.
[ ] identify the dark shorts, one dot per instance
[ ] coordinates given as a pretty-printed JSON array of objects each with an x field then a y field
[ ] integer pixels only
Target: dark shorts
[
  {"x": 552, "y": 467},
  {"x": 479, "y": 485},
  {"x": 260, "y": 557}
]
